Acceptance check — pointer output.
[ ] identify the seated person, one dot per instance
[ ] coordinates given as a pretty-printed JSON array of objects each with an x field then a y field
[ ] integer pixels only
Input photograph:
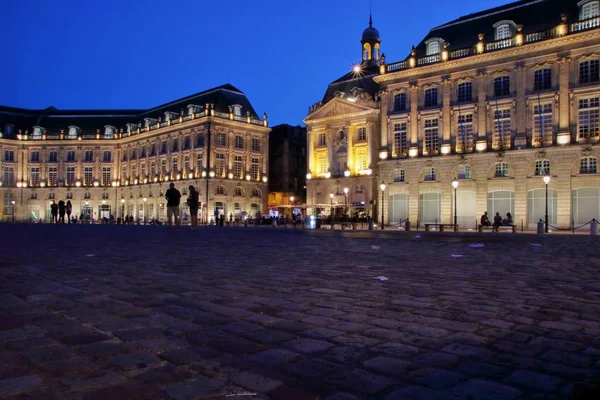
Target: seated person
[
  {"x": 485, "y": 220},
  {"x": 497, "y": 220},
  {"x": 508, "y": 220}
]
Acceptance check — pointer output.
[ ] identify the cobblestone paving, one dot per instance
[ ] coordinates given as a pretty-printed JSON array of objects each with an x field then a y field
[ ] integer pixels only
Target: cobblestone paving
[{"x": 127, "y": 312}]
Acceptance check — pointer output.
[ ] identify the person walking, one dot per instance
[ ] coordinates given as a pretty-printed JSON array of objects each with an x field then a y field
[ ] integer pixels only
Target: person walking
[
  {"x": 69, "y": 210},
  {"x": 193, "y": 203},
  {"x": 61, "y": 211},
  {"x": 173, "y": 198},
  {"x": 54, "y": 212}
]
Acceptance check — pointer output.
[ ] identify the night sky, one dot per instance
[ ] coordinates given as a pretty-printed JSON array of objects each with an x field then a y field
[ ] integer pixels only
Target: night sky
[{"x": 84, "y": 54}]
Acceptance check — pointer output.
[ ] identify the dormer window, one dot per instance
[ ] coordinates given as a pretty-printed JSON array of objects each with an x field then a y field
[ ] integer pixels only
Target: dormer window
[
  {"x": 434, "y": 46},
  {"x": 169, "y": 116},
  {"x": 503, "y": 32},
  {"x": 37, "y": 131},
  {"x": 73, "y": 131},
  {"x": 109, "y": 131},
  {"x": 588, "y": 9},
  {"x": 237, "y": 110}
]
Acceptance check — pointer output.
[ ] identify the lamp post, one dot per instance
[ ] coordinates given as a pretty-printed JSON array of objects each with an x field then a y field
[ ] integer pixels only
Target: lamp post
[
  {"x": 345, "y": 202},
  {"x": 382, "y": 187},
  {"x": 546, "y": 181},
  {"x": 14, "y": 210},
  {"x": 455, "y": 186},
  {"x": 330, "y": 205},
  {"x": 144, "y": 210},
  {"x": 122, "y": 209},
  {"x": 292, "y": 204}
]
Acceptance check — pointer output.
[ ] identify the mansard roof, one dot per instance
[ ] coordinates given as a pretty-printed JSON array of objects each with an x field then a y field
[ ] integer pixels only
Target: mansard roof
[
  {"x": 533, "y": 15},
  {"x": 362, "y": 80},
  {"x": 89, "y": 121}
]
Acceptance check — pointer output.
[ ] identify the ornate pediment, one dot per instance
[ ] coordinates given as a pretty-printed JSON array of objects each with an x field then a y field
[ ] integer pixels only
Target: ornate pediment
[{"x": 340, "y": 107}]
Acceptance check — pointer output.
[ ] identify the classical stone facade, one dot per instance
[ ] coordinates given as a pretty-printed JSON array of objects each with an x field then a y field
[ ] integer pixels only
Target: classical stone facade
[
  {"x": 120, "y": 162},
  {"x": 499, "y": 107}
]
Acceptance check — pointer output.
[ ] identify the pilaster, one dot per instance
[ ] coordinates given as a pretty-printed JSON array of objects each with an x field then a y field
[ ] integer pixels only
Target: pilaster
[
  {"x": 445, "y": 125},
  {"x": 564, "y": 136},
  {"x": 521, "y": 108},
  {"x": 481, "y": 114},
  {"x": 414, "y": 115}
]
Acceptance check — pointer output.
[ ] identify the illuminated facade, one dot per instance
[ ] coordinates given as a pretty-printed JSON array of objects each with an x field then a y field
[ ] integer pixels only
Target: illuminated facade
[
  {"x": 497, "y": 100},
  {"x": 120, "y": 162}
]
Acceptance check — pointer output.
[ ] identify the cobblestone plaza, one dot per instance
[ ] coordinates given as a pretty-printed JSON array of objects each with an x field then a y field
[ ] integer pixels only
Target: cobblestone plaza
[{"x": 134, "y": 312}]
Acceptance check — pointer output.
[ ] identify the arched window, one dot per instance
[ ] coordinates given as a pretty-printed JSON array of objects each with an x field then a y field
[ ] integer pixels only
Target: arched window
[
  {"x": 221, "y": 190},
  {"x": 239, "y": 191},
  {"x": 464, "y": 172},
  {"x": 503, "y": 32},
  {"x": 501, "y": 170},
  {"x": 589, "y": 165},
  {"x": 256, "y": 192},
  {"x": 366, "y": 51},
  {"x": 399, "y": 176},
  {"x": 430, "y": 174},
  {"x": 542, "y": 167},
  {"x": 589, "y": 10},
  {"x": 433, "y": 46}
]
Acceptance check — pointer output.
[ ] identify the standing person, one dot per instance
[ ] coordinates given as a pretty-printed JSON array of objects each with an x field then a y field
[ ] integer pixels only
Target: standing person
[
  {"x": 173, "y": 197},
  {"x": 69, "y": 210},
  {"x": 193, "y": 203},
  {"x": 61, "y": 211},
  {"x": 54, "y": 211}
]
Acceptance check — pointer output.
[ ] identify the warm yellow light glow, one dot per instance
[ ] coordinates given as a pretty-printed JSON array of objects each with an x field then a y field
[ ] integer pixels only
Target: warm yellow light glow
[
  {"x": 203, "y": 174},
  {"x": 114, "y": 183},
  {"x": 43, "y": 184},
  {"x": 563, "y": 139},
  {"x": 308, "y": 176},
  {"x": 383, "y": 155},
  {"x": 481, "y": 146},
  {"x": 230, "y": 175},
  {"x": 445, "y": 149},
  {"x": 547, "y": 179},
  {"x": 382, "y": 186},
  {"x": 327, "y": 175},
  {"x": 265, "y": 179},
  {"x": 78, "y": 183},
  {"x": 212, "y": 174},
  {"x": 87, "y": 203},
  {"x": 135, "y": 182},
  {"x": 24, "y": 184},
  {"x": 103, "y": 201},
  {"x": 292, "y": 199},
  {"x": 455, "y": 183},
  {"x": 96, "y": 183},
  {"x": 356, "y": 69},
  {"x": 145, "y": 180},
  {"x": 178, "y": 176},
  {"x": 122, "y": 200},
  {"x": 346, "y": 173},
  {"x": 346, "y": 190},
  {"x": 369, "y": 171},
  {"x": 413, "y": 152},
  {"x": 156, "y": 179},
  {"x": 18, "y": 184},
  {"x": 248, "y": 177},
  {"x": 145, "y": 199},
  {"x": 479, "y": 47},
  {"x": 190, "y": 175},
  {"x": 331, "y": 195}
]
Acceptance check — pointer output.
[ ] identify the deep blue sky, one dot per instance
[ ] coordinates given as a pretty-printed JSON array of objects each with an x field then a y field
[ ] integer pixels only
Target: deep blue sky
[{"x": 78, "y": 54}]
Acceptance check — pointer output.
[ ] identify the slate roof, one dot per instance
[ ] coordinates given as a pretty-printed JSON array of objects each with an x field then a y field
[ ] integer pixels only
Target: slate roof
[
  {"x": 89, "y": 121},
  {"x": 534, "y": 15},
  {"x": 363, "y": 80}
]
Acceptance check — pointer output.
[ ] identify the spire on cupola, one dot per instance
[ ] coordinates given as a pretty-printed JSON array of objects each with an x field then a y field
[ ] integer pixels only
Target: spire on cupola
[{"x": 370, "y": 44}]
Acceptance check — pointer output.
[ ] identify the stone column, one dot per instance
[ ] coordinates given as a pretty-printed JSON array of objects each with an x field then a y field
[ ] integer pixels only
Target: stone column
[
  {"x": 351, "y": 129},
  {"x": 446, "y": 96},
  {"x": 264, "y": 151},
  {"x": 370, "y": 161},
  {"x": 414, "y": 115},
  {"x": 521, "y": 107},
  {"x": 481, "y": 114},
  {"x": 564, "y": 135},
  {"x": 310, "y": 150},
  {"x": 384, "y": 134}
]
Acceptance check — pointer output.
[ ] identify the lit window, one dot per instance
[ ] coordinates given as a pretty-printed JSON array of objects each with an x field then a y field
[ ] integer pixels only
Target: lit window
[
  {"x": 53, "y": 176},
  {"x": 589, "y": 10},
  {"x": 106, "y": 176},
  {"x": 542, "y": 167},
  {"x": 542, "y": 122},
  {"x": 501, "y": 170},
  {"x": 589, "y": 117},
  {"x": 255, "y": 144},
  {"x": 220, "y": 164},
  {"x": 254, "y": 169},
  {"x": 502, "y": 130},
  {"x": 400, "y": 142},
  {"x": 239, "y": 142},
  {"x": 503, "y": 32},
  {"x": 589, "y": 165},
  {"x": 433, "y": 48},
  {"x": 34, "y": 175},
  {"x": 430, "y": 174},
  {"x": 87, "y": 176},
  {"x": 9, "y": 176},
  {"x": 362, "y": 133},
  {"x": 238, "y": 162},
  {"x": 431, "y": 135},
  {"x": 322, "y": 139},
  {"x": 399, "y": 176},
  {"x": 464, "y": 138},
  {"x": 70, "y": 176}
]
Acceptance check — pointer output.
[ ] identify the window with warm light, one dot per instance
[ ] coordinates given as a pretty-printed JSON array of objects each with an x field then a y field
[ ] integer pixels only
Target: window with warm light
[
  {"x": 322, "y": 139},
  {"x": 70, "y": 176},
  {"x": 502, "y": 128},
  {"x": 542, "y": 122},
  {"x": 239, "y": 142},
  {"x": 400, "y": 140},
  {"x": 106, "y": 176},
  {"x": 238, "y": 162},
  {"x": 362, "y": 133},
  {"x": 8, "y": 178},
  {"x": 34, "y": 176},
  {"x": 220, "y": 164},
  {"x": 88, "y": 176},
  {"x": 431, "y": 135},
  {"x": 254, "y": 168},
  {"x": 53, "y": 176},
  {"x": 589, "y": 117},
  {"x": 464, "y": 136},
  {"x": 433, "y": 48}
]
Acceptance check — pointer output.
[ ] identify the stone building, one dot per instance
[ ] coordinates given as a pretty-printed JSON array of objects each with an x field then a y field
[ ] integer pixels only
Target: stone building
[
  {"x": 120, "y": 162},
  {"x": 287, "y": 165},
  {"x": 496, "y": 100}
]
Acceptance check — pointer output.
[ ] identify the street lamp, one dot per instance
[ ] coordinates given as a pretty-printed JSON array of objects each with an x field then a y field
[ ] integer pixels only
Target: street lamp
[
  {"x": 13, "y": 210},
  {"x": 546, "y": 181},
  {"x": 144, "y": 210},
  {"x": 345, "y": 202},
  {"x": 382, "y": 187},
  {"x": 331, "y": 205},
  {"x": 122, "y": 208},
  {"x": 455, "y": 186}
]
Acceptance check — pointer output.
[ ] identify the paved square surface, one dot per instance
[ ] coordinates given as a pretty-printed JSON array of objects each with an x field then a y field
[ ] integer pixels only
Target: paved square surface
[{"x": 128, "y": 312}]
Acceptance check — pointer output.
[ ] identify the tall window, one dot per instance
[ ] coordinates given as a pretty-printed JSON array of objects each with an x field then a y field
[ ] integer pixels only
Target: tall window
[
  {"x": 163, "y": 167},
  {"x": 399, "y": 176},
  {"x": 163, "y": 147},
  {"x": 322, "y": 164},
  {"x": 589, "y": 10},
  {"x": 465, "y": 92},
  {"x": 362, "y": 161},
  {"x": 53, "y": 157},
  {"x": 501, "y": 170},
  {"x": 88, "y": 176},
  {"x": 254, "y": 169},
  {"x": 70, "y": 176},
  {"x": 431, "y": 135},
  {"x": 35, "y": 156},
  {"x": 221, "y": 139},
  {"x": 9, "y": 176},
  {"x": 542, "y": 122},
  {"x": 106, "y": 156},
  {"x": 89, "y": 156},
  {"x": 502, "y": 86},
  {"x": 134, "y": 154},
  {"x": 9, "y": 208},
  {"x": 153, "y": 150},
  {"x": 542, "y": 167},
  {"x": 9, "y": 155},
  {"x": 199, "y": 140},
  {"x": 589, "y": 165},
  {"x": 53, "y": 176},
  {"x": 503, "y": 32},
  {"x": 238, "y": 191},
  {"x": 153, "y": 168},
  {"x": 362, "y": 133},
  {"x": 220, "y": 190},
  {"x": 256, "y": 144},
  {"x": 502, "y": 131},
  {"x": 186, "y": 143},
  {"x": 589, "y": 117},
  {"x": 464, "y": 137},
  {"x": 433, "y": 48},
  {"x": 322, "y": 139},
  {"x": 186, "y": 164},
  {"x": 431, "y": 97},
  {"x": 542, "y": 79},
  {"x": 199, "y": 161},
  {"x": 220, "y": 164},
  {"x": 175, "y": 145},
  {"x": 589, "y": 71},
  {"x": 400, "y": 142},
  {"x": 238, "y": 162},
  {"x": 256, "y": 192},
  {"x": 430, "y": 174},
  {"x": 105, "y": 176},
  {"x": 71, "y": 156},
  {"x": 143, "y": 152},
  {"x": 174, "y": 164},
  {"x": 464, "y": 172},
  {"x": 400, "y": 102},
  {"x": 34, "y": 175},
  {"x": 239, "y": 142}
]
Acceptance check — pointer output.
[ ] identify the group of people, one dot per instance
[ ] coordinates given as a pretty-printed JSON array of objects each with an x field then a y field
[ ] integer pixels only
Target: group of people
[
  {"x": 58, "y": 211},
  {"x": 498, "y": 221},
  {"x": 173, "y": 197}
]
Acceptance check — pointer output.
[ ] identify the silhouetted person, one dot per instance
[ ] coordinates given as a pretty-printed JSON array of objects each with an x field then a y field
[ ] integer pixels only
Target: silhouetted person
[
  {"x": 173, "y": 197},
  {"x": 497, "y": 221},
  {"x": 485, "y": 220},
  {"x": 54, "y": 211},
  {"x": 69, "y": 210},
  {"x": 193, "y": 203},
  {"x": 61, "y": 211}
]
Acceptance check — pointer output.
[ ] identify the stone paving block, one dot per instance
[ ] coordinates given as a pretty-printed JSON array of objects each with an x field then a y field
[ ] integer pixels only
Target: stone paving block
[
  {"x": 187, "y": 355},
  {"x": 268, "y": 336},
  {"x": 563, "y": 357},
  {"x": 389, "y": 365},
  {"x": 396, "y": 349},
  {"x": 27, "y": 332},
  {"x": 130, "y": 390},
  {"x": 49, "y": 354},
  {"x": 134, "y": 335},
  {"x": 355, "y": 340},
  {"x": 106, "y": 349},
  {"x": 469, "y": 351},
  {"x": 93, "y": 379},
  {"x": 164, "y": 375},
  {"x": 321, "y": 333},
  {"x": 435, "y": 359},
  {"x": 416, "y": 393},
  {"x": 196, "y": 388},
  {"x": 134, "y": 360},
  {"x": 533, "y": 380},
  {"x": 360, "y": 381},
  {"x": 486, "y": 390},
  {"x": 29, "y": 344},
  {"x": 477, "y": 369},
  {"x": 307, "y": 345},
  {"x": 312, "y": 368},
  {"x": 162, "y": 343},
  {"x": 254, "y": 381},
  {"x": 436, "y": 378},
  {"x": 274, "y": 357},
  {"x": 561, "y": 326},
  {"x": 70, "y": 368},
  {"x": 20, "y": 385}
]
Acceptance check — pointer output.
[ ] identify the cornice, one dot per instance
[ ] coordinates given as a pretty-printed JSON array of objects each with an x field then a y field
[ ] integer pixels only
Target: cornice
[
  {"x": 487, "y": 58},
  {"x": 374, "y": 111}
]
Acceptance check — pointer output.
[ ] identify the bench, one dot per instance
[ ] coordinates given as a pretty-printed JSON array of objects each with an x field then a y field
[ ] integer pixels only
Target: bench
[
  {"x": 496, "y": 228},
  {"x": 440, "y": 227}
]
